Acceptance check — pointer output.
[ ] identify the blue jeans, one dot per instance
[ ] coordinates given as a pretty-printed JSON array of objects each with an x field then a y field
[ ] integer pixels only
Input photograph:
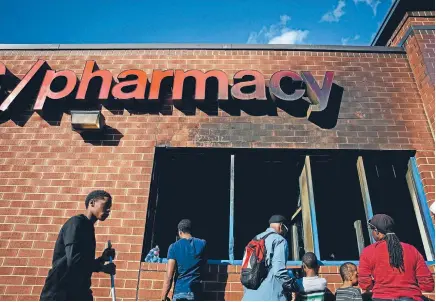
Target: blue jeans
[{"x": 184, "y": 296}]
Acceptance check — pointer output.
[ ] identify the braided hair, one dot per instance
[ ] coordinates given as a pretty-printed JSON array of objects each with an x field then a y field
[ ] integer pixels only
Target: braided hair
[{"x": 395, "y": 251}]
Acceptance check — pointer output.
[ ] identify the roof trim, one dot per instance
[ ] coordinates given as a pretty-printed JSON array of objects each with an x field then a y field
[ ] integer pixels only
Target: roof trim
[
  {"x": 385, "y": 21},
  {"x": 395, "y": 16},
  {"x": 182, "y": 46}
]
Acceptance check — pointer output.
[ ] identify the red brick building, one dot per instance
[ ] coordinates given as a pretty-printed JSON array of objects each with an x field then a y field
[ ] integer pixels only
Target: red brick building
[{"x": 227, "y": 164}]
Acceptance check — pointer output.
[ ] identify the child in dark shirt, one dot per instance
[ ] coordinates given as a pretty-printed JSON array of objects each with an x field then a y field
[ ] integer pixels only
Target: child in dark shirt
[{"x": 347, "y": 292}]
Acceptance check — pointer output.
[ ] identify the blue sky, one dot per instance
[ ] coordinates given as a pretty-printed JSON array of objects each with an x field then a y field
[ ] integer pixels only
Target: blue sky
[{"x": 337, "y": 22}]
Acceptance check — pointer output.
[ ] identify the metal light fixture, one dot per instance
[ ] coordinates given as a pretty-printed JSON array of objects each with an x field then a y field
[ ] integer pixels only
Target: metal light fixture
[{"x": 87, "y": 120}]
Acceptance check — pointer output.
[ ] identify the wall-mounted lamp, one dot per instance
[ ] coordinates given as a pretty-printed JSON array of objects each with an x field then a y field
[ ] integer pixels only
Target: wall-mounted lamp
[{"x": 92, "y": 120}]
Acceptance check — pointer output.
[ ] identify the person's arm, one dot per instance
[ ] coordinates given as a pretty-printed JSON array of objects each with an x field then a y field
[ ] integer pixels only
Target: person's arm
[
  {"x": 97, "y": 265},
  {"x": 365, "y": 271},
  {"x": 278, "y": 261},
  {"x": 204, "y": 266},
  {"x": 168, "y": 279},
  {"x": 78, "y": 259},
  {"x": 75, "y": 241},
  {"x": 74, "y": 254},
  {"x": 423, "y": 275}
]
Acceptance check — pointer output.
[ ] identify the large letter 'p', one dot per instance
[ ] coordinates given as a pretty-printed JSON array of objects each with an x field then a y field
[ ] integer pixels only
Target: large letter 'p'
[{"x": 46, "y": 91}]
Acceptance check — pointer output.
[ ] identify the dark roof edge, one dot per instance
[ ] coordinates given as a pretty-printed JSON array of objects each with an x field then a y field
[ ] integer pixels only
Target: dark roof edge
[
  {"x": 396, "y": 15},
  {"x": 180, "y": 46},
  {"x": 385, "y": 21}
]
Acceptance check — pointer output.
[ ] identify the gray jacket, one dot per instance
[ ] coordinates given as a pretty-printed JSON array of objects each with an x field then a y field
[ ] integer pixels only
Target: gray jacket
[{"x": 277, "y": 254}]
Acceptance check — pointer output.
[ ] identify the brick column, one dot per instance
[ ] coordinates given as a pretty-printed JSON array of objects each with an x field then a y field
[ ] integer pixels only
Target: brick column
[{"x": 416, "y": 34}]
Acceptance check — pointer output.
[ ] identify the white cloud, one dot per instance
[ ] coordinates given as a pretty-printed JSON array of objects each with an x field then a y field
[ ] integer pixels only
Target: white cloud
[
  {"x": 346, "y": 40},
  {"x": 278, "y": 33},
  {"x": 336, "y": 14},
  {"x": 290, "y": 37},
  {"x": 372, "y": 3},
  {"x": 284, "y": 19}
]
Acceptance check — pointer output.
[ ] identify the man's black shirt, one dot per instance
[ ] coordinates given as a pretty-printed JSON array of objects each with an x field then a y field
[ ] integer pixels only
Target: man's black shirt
[{"x": 73, "y": 262}]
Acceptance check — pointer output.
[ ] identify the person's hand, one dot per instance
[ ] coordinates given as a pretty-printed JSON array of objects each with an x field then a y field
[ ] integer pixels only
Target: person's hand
[
  {"x": 108, "y": 252},
  {"x": 110, "y": 269}
]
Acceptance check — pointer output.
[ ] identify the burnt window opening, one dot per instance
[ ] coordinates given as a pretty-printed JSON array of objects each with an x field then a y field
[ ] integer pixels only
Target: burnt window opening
[
  {"x": 386, "y": 176},
  {"x": 230, "y": 194},
  {"x": 338, "y": 204},
  {"x": 265, "y": 184},
  {"x": 195, "y": 186}
]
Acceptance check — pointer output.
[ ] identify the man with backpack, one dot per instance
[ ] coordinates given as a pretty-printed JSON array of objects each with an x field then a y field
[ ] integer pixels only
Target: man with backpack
[{"x": 263, "y": 271}]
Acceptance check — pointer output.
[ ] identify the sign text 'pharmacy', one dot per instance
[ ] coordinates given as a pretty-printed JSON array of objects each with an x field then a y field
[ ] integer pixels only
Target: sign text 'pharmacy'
[{"x": 136, "y": 84}]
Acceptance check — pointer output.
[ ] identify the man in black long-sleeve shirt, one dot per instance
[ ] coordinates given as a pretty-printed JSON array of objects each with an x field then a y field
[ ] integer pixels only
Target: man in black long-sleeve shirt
[{"x": 74, "y": 253}]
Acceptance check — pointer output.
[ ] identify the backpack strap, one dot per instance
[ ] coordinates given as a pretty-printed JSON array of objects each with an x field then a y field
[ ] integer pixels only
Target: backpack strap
[{"x": 264, "y": 237}]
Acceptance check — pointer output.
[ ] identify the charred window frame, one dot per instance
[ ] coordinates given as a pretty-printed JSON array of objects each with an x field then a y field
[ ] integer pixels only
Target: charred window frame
[{"x": 305, "y": 219}]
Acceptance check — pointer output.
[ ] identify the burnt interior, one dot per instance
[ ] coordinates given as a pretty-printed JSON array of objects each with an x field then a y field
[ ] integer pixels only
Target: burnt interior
[
  {"x": 195, "y": 186},
  {"x": 194, "y": 183},
  {"x": 265, "y": 184},
  {"x": 338, "y": 204},
  {"x": 386, "y": 176}
]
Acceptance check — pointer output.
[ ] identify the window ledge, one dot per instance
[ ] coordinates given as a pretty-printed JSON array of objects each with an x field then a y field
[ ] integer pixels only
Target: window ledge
[{"x": 288, "y": 263}]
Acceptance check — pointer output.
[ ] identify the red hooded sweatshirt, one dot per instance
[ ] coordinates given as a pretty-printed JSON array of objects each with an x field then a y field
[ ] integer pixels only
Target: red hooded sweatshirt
[{"x": 387, "y": 282}]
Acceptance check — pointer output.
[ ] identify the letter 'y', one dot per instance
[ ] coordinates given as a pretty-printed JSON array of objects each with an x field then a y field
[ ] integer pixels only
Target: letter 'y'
[
  {"x": 319, "y": 97},
  {"x": 11, "y": 97}
]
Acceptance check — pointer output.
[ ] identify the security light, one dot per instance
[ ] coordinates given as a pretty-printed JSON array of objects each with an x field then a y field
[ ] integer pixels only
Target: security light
[{"x": 87, "y": 120}]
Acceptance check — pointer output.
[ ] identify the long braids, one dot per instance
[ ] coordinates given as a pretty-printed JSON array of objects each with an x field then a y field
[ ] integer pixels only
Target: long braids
[{"x": 395, "y": 251}]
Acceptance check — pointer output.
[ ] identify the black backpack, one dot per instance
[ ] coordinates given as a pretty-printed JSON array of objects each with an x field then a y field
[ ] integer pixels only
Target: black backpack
[{"x": 254, "y": 269}]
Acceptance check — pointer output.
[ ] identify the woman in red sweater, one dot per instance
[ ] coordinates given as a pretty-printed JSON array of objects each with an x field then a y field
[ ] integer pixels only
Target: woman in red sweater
[{"x": 393, "y": 270}]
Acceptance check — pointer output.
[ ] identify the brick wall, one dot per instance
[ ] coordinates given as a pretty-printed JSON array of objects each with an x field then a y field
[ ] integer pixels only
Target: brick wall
[
  {"x": 222, "y": 282},
  {"x": 420, "y": 48},
  {"x": 47, "y": 169}
]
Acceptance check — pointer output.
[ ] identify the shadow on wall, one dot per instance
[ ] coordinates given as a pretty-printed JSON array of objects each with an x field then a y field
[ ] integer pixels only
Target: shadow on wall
[
  {"x": 108, "y": 137},
  {"x": 328, "y": 118},
  {"x": 21, "y": 108}
]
